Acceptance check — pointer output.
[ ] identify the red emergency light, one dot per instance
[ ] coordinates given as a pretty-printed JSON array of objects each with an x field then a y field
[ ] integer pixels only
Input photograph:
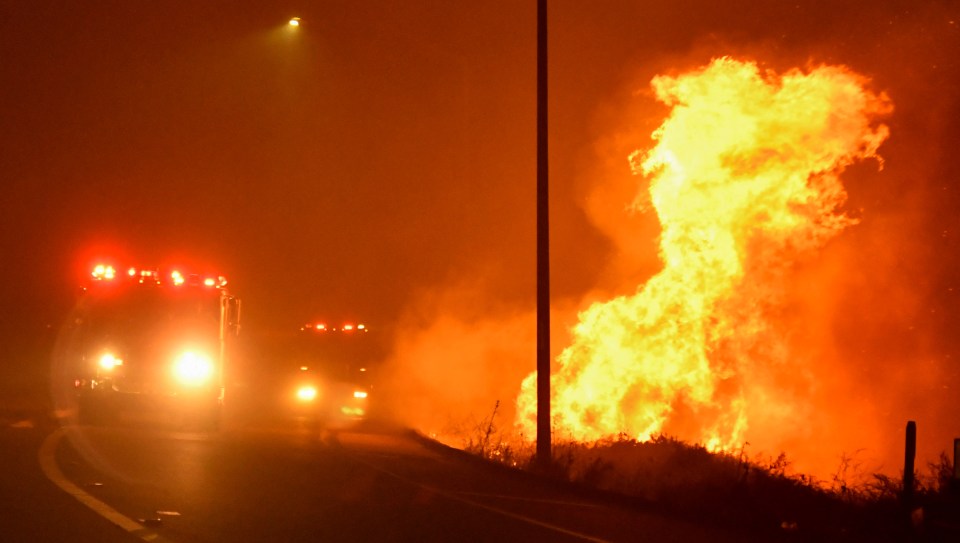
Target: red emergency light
[
  {"x": 103, "y": 272},
  {"x": 106, "y": 272},
  {"x": 322, "y": 327}
]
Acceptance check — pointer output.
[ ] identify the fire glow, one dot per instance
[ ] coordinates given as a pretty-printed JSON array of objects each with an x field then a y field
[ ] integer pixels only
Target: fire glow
[{"x": 744, "y": 178}]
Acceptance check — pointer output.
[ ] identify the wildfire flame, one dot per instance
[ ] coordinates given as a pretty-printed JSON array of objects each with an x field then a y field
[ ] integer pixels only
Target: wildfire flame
[{"x": 744, "y": 180}]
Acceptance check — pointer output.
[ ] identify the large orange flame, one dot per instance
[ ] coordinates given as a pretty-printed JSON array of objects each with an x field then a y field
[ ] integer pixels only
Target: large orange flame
[{"x": 744, "y": 180}]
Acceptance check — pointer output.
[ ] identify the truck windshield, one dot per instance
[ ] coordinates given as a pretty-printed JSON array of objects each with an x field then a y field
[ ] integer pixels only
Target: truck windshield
[
  {"x": 139, "y": 307},
  {"x": 334, "y": 355},
  {"x": 136, "y": 316}
]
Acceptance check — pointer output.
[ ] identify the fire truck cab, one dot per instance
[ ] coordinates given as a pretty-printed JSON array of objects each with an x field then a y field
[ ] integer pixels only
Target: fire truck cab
[
  {"x": 151, "y": 341},
  {"x": 316, "y": 375}
]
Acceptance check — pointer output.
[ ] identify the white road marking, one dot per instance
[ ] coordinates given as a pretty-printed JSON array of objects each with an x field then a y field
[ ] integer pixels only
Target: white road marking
[{"x": 48, "y": 462}]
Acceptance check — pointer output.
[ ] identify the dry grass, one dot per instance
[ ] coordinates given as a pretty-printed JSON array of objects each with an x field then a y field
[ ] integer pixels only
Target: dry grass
[{"x": 737, "y": 489}]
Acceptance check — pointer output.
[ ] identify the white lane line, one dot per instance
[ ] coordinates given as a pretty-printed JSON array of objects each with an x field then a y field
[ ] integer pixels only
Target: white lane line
[
  {"x": 48, "y": 463},
  {"x": 461, "y": 499}
]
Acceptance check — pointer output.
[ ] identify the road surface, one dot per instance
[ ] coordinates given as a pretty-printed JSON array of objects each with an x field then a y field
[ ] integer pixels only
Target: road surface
[{"x": 288, "y": 483}]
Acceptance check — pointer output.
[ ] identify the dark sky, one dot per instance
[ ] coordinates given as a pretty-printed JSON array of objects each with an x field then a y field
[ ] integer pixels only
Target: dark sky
[
  {"x": 387, "y": 149},
  {"x": 380, "y": 148}
]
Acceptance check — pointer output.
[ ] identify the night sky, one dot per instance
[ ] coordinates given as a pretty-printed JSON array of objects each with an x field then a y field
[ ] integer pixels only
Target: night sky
[
  {"x": 385, "y": 151},
  {"x": 327, "y": 171}
]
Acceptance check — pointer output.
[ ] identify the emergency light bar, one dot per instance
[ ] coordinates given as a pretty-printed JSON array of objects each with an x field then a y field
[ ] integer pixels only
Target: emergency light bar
[
  {"x": 347, "y": 327},
  {"x": 105, "y": 272},
  {"x": 101, "y": 272}
]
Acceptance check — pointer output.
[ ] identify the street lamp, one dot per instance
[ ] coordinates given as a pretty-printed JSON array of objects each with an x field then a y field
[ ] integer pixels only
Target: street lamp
[{"x": 294, "y": 22}]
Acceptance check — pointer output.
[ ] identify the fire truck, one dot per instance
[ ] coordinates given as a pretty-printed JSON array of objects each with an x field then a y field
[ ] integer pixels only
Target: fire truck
[
  {"x": 145, "y": 340},
  {"x": 318, "y": 374},
  {"x": 332, "y": 365}
]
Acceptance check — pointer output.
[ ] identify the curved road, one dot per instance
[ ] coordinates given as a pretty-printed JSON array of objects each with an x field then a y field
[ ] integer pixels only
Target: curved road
[{"x": 288, "y": 484}]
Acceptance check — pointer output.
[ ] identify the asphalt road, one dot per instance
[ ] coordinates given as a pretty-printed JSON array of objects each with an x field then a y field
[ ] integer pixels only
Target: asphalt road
[
  {"x": 33, "y": 507},
  {"x": 287, "y": 483}
]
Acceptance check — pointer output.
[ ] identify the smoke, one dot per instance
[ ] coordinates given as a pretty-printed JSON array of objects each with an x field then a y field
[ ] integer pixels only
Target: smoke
[{"x": 458, "y": 355}]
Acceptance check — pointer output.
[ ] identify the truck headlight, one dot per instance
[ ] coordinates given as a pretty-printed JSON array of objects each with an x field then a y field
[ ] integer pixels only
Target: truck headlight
[
  {"x": 193, "y": 369},
  {"x": 307, "y": 393},
  {"x": 108, "y": 361}
]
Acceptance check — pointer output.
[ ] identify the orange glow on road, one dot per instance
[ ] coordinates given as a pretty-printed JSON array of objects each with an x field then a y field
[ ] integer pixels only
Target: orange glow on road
[{"x": 744, "y": 178}]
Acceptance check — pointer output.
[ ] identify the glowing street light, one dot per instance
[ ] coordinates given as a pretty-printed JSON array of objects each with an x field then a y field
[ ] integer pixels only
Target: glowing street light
[{"x": 294, "y": 22}]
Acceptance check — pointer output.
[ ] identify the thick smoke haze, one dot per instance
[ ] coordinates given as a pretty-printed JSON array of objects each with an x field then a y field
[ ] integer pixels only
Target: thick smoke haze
[
  {"x": 451, "y": 370},
  {"x": 379, "y": 166}
]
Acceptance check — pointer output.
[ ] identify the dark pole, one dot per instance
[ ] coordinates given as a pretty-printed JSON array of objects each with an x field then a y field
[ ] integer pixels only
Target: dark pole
[
  {"x": 543, "y": 247},
  {"x": 909, "y": 454},
  {"x": 956, "y": 461}
]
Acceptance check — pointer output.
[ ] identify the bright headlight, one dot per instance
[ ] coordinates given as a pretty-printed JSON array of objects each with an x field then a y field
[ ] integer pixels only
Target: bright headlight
[
  {"x": 307, "y": 393},
  {"x": 193, "y": 369},
  {"x": 108, "y": 361},
  {"x": 360, "y": 394}
]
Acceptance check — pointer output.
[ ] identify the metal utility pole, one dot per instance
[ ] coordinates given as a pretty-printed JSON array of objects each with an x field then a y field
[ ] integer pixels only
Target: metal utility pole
[{"x": 543, "y": 247}]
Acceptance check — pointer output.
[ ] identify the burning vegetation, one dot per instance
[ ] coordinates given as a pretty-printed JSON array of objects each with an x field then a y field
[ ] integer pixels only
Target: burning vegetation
[
  {"x": 745, "y": 181},
  {"x": 769, "y": 326}
]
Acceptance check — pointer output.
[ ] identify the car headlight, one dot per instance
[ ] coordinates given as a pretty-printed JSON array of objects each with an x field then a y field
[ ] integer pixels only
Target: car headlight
[
  {"x": 108, "y": 361},
  {"x": 193, "y": 369}
]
